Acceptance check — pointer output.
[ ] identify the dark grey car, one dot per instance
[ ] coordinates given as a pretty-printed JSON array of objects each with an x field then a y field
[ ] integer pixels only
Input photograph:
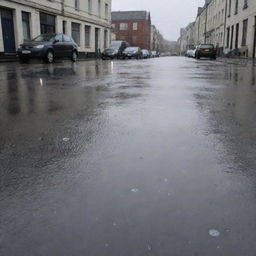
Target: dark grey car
[
  {"x": 132, "y": 52},
  {"x": 115, "y": 50},
  {"x": 48, "y": 47}
]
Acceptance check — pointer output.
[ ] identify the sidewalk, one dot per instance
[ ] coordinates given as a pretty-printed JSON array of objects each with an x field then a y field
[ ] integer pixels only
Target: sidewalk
[
  {"x": 235, "y": 61},
  {"x": 8, "y": 58}
]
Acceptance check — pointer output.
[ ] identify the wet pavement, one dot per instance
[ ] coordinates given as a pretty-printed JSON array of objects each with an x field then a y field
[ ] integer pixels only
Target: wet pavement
[{"x": 128, "y": 158}]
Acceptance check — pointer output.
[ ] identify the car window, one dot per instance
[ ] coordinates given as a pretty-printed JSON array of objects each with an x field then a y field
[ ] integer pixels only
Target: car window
[
  {"x": 44, "y": 38},
  {"x": 59, "y": 38},
  {"x": 205, "y": 46},
  {"x": 67, "y": 38}
]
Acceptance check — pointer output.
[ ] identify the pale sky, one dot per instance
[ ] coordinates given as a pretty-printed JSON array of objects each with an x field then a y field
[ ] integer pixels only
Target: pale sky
[{"x": 168, "y": 15}]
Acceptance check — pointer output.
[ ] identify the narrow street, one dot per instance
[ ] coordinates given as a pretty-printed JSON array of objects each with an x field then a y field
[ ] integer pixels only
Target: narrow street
[{"x": 128, "y": 158}]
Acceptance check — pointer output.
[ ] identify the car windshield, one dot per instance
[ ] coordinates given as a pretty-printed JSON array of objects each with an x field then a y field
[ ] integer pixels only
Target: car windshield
[
  {"x": 114, "y": 47},
  {"x": 44, "y": 38},
  {"x": 205, "y": 46},
  {"x": 132, "y": 49},
  {"x": 116, "y": 43}
]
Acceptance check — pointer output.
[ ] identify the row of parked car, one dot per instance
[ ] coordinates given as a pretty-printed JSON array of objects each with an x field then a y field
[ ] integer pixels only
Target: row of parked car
[
  {"x": 51, "y": 46},
  {"x": 202, "y": 50},
  {"x": 122, "y": 50}
]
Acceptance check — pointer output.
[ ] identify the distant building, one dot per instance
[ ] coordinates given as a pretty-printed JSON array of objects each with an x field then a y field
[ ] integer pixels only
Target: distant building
[
  {"x": 241, "y": 28},
  {"x": 228, "y": 24},
  {"x": 88, "y": 22},
  {"x": 133, "y": 27},
  {"x": 157, "y": 40}
]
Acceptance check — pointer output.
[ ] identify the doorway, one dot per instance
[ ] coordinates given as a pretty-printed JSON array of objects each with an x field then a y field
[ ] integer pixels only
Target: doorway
[
  {"x": 237, "y": 36},
  {"x": 254, "y": 42},
  {"x": 97, "y": 41},
  {"x": 8, "y": 31}
]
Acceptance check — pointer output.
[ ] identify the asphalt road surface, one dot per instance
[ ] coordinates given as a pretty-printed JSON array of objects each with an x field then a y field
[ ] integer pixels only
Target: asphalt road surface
[{"x": 128, "y": 158}]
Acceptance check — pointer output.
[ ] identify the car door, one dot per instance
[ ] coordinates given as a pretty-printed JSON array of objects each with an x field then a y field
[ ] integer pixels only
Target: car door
[
  {"x": 69, "y": 45},
  {"x": 58, "y": 46}
]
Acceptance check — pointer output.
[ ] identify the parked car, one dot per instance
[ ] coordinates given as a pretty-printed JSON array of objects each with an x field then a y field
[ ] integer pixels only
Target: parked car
[
  {"x": 115, "y": 50},
  {"x": 145, "y": 54},
  {"x": 132, "y": 52},
  {"x": 193, "y": 53},
  {"x": 206, "y": 50},
  {"x": 48, "y": 47},
  {"x": 153, "y": 54},
  {"x": 189, "y": 53}
]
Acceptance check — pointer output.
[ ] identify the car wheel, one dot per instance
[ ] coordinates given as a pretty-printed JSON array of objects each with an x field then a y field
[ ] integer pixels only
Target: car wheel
[
  {"x": 74, "y": 56},
  {"x": 214, "y": 58},
  {"x": 49, "y": 57}
]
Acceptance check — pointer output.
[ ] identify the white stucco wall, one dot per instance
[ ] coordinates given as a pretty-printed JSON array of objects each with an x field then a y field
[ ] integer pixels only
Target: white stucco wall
[
  {"x": 248, "y": 13},
  {"x": 80, "y": 16}
]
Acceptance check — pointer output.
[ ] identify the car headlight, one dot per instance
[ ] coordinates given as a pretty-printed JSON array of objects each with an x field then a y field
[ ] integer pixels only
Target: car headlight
[{"x": 41, "y": 46}]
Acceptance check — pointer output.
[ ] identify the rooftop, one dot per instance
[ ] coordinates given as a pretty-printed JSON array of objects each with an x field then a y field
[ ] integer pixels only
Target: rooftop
[{"x": 130, "y": 15}]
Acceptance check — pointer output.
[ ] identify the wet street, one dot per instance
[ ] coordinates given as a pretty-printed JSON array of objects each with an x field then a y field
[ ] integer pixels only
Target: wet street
[{"x": 128, "y": 158}]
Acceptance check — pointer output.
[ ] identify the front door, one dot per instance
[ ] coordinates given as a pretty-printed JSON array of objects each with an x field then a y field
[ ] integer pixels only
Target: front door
[{"x": 8, "y": 31}]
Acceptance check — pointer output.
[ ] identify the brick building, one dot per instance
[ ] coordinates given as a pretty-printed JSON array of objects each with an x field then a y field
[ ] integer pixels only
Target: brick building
[{"x": 133, "y": 27}]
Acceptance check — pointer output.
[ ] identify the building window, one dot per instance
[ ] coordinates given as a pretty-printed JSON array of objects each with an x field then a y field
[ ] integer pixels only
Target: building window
[
  {"x": 105, "y": 38},
  {"x": 123, "y": 26},
  {"x": 232, "y": 35},
  {"x": 245, "y": 4},
  {"x": 134, "y": 39},
  {"x": 89, "y": 6},
  {"x": 64, "y": 26},
  {"x": 106, "y": 11},
  {"x": 244, "y": 37},
  {"x": 228, "y": 35},
  {"x": 26, "y": 26},
  {"x": 237, "y": 35},
  {"x": 113, "y": 26},
  {"x": 99, "y": 8},
  {"x": 76, "y": 4},
  {"x": 135, "y": 26},
  {"x": 236, "y": 7},
  {"x": 47, "y": 23},
  {"x": 87, "y": 36},
  {"x": 229, "y": 8},
  {"x": 76, "y": 32}
]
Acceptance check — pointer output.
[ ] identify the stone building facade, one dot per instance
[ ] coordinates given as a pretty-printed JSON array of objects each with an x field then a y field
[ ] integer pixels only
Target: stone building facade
[
  {"x": 157, "y": 40},
  {"x": 241, "y": 28},
  {"x": 228, "y": 24},
  {"x": 87, "y": 21},
  {"x": 133, "y": 27}
]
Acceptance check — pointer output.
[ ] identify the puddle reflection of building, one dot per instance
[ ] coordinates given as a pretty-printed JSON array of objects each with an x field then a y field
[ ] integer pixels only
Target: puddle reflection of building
[
  {"x": 230, "y": 117},
  {"x": 13, "y": 94}
]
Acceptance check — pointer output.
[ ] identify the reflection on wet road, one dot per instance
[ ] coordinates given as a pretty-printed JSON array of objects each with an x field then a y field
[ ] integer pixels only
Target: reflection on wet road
[{"x": 152, "y": 157}]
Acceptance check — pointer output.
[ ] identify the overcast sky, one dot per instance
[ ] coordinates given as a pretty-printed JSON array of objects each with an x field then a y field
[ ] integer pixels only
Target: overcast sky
[{"x": 168, "y": 15}]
